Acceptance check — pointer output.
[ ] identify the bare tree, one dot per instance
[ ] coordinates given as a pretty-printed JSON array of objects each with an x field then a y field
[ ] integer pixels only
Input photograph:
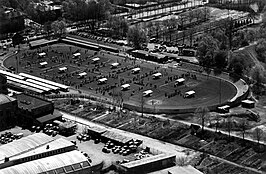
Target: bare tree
[
  {"x": 258, "y": 134},
  {"x": 229, "y": 125},
  {"x": 217, "y": 119},
  {"x": 202, "y": 114},
  {"x": 243, "y": 126},
  {"x": 182, "y": 161}
]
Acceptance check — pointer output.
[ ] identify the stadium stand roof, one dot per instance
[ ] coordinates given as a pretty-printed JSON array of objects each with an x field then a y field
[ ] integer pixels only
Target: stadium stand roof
[
  {"x": 23, "y": 145},
  {"x": 61, "y": 163}
]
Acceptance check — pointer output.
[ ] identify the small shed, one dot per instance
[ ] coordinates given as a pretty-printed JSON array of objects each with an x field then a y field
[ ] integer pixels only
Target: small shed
[
  {"x": 118, "y": 138},
  {"x": 248, "y": 104},
  {"x": 223, "y": 109},
  {"x": 95, "y": 131}
]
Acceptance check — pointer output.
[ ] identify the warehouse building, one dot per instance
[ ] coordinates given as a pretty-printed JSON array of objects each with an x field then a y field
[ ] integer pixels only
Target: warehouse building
[
  {"x": 8, "y": 108},
  {"x": 40, "y": 153}
]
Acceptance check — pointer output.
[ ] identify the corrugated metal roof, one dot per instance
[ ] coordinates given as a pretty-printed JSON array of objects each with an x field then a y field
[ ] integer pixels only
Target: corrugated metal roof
[
  {"x": 49, "y": 164},
  {"x": 24, "y": 144},
  {"x": 59, "y": 143}
]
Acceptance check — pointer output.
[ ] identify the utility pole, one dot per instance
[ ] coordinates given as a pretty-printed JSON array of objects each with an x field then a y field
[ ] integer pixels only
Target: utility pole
[{"x": 142, "y": 105}]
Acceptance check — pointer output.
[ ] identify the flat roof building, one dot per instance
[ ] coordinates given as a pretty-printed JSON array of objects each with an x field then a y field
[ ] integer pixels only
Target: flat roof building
[{"x": 8, "y": 110}]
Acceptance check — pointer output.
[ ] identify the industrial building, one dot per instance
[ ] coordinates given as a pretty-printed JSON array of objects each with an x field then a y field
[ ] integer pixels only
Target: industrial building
[
  {"x": 8, "y": 108},
  {"x": 40, "y": 153}
]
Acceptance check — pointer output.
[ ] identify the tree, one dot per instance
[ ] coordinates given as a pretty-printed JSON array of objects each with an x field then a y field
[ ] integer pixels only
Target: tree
[
  {"x": 258, "y": 134},
  {"x": 239, "y": 39},
  {"x": 238, "y": 63},
  {"x": 206, "y": 50},
  {"x": 251, "y": 35},
  {"x": 220, "y": 59},
  {"x": 258, "y": 75},
  {"x": 118, "y": 26},
  {"x": 229, "y": 124},
  {"x": 169, "y": 25},
  {"x": 59, "y": 27},
  {"x": 243, "y": 124},
  {"x": 202, "y": 114},
  {"x": 137, "y": 37},
  {"x": 217, "y": 119},
  {"x": 220, "y": 35},
  {"x": 261, "y": 50}
]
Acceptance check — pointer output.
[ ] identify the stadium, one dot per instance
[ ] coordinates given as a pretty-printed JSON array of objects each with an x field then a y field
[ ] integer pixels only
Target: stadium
[{"x": 133, "y": 83}]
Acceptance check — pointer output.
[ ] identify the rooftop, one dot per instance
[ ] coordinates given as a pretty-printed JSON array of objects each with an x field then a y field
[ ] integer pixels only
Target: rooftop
[
  {"x": 61, "y": 163},
  {"x": 53, "y": 145},
  {"x": 178, "y": 169},
  {"x": 23, "y": 145},
  {"x": 6, "y": 99},
  {"x": 49, "y": 117},
  {"x": 147, "y": 160},
  {"x": 30, "y": 102},
  {"x": 116, "y": 137}
]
